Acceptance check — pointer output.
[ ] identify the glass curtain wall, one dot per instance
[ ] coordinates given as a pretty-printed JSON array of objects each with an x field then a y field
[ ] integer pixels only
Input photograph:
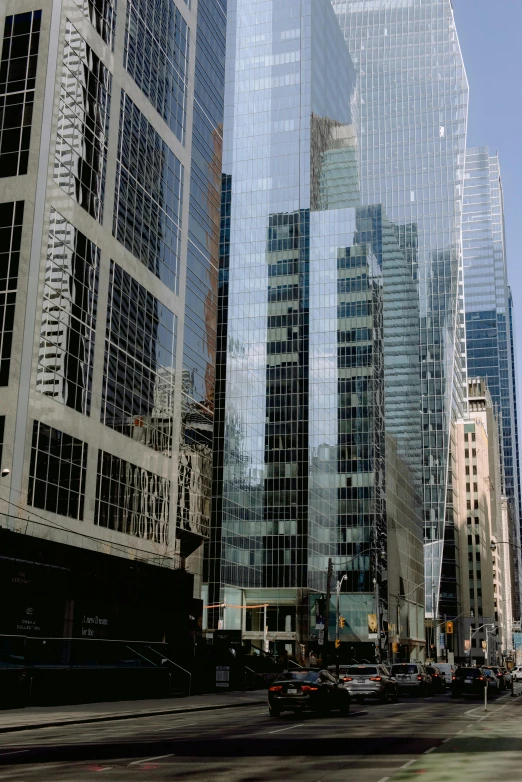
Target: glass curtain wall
[
  {"x": 489, "y": 326},
  {"x": 412, "y": 132}
]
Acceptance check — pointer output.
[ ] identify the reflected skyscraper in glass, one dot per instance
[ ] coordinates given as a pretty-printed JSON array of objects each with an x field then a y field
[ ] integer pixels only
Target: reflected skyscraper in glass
[
  {"x": 412, "y": 134},
  {"x": 317, "y": 437}
]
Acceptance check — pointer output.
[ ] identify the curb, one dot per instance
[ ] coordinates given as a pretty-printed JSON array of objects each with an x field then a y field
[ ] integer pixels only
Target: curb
[{"x": 128, "y": 716}]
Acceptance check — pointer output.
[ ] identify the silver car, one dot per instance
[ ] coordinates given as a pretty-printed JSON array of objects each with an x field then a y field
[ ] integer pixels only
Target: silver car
[
  {"x": 412, "y": 676},
  {"x": 369, "y": 681}
]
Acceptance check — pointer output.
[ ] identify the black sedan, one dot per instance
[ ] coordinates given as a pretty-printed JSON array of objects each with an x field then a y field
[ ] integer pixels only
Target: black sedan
[{"x": 307, "y": 689}]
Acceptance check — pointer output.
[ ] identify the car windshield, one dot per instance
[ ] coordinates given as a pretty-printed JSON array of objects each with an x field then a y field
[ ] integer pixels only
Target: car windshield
[
  {"x": 404, "y": 668},
  {"x": 488, "y": 672},
  {"x": 467, "y": 673},
  {"x": 299, "y": 676},
  {"x": 361, "y": 670}
]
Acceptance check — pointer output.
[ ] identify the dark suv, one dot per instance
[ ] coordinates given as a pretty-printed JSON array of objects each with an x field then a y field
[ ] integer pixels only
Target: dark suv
[
  {"x": 468, "y": 680},
  {"x": 307, "y": 690}
]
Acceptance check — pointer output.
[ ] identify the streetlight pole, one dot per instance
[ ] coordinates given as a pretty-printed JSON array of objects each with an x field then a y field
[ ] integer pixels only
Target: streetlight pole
[{"x": 337, "y": 639}]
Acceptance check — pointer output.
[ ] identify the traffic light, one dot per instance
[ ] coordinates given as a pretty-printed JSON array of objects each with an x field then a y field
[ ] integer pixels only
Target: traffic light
[
  {"x": 342, "y": 622},
  {"x": 337, "y": 643},
  {"x": 449, "y": 628}
]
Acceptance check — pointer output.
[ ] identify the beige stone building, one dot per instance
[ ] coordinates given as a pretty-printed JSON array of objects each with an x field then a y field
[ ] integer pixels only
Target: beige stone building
[{"x": 486, "y": 574}]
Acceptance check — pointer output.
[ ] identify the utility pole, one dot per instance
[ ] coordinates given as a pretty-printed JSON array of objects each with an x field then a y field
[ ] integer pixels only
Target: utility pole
[
  {"x": 446, "y": 637},
  {"x": 327, "y": 606}
]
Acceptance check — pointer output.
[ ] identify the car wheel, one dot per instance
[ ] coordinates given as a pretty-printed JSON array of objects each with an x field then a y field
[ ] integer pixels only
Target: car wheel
[
  {"x": 383, "y": 698},
  {"x": 273, "y": 711},
  {"x": 454, "y": 695},
  {"x": 395, "y": 696},
  {"x": 360, "y": 699}
]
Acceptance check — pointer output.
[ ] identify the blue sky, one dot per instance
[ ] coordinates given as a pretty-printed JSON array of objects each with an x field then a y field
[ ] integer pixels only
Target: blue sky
[{"x": 491, "y": 41}]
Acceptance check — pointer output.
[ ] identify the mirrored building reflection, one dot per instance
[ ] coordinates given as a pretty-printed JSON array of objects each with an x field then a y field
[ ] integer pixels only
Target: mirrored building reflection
[{"x": 317, "y": 347}]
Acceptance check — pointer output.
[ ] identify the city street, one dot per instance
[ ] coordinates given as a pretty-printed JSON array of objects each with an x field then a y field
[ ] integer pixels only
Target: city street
[{"x": 438, "y": 737}]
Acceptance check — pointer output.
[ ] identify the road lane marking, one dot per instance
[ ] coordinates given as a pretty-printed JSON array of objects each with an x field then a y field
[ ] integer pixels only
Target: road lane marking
[
  {"x": 431, "y": 749},
  {"x": 172, "y": 727},
  {"x": 408, "y": 764},
  {"x": 280, "y": 730},
  {"x": 384, "y": 779},
  {"x": 147, "y": 760},
  {"x": 446, "y": 740},
  {"x": 14, "y": 752}
]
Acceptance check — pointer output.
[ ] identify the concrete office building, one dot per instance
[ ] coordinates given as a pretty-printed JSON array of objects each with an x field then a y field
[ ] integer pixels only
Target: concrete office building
[
  {"x": 110, "y": 183},
  {"x": 486, "y": 588},
  {"x": 489, "y": 319},
  {"x": 317, "y": 438},
  {"x": 413, "y": 117}
]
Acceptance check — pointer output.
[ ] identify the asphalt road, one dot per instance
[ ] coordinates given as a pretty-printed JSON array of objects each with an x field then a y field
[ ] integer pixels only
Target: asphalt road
[{"x": 242, "y": 744}]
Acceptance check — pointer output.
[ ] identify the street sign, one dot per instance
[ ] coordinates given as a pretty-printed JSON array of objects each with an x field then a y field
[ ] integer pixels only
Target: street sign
[
  {"x": 441, "y": 641},
  {"x": 223, "y": 676}
]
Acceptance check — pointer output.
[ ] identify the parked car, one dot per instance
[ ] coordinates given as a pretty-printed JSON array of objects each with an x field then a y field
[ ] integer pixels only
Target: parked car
[
  {"x": 307, "y": 689},
  {"x": 467, "y": 680},
  {"x": 438, "y": 682},
  {"x": 369, "y": 681},
  {"x": 493, "y": 680},
  {"x": 447, "y": 670},
  {"x": 517, "y": 673},
  {"x": 499, "y": 673},
  {"x": 412, "y": 676}
]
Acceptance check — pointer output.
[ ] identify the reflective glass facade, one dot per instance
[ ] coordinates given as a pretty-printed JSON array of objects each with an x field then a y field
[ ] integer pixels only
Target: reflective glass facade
[
  {"x": 318, "y": 333},
  {"x": 17, "y": 90},
  {"x": 83, "y": 124},
  {"x": 70, "y": 301},
  {"x": 156, "y": 56},
  {"x": 413, "y": 115},
  {"x": 148, "y": 196},
  {"x": 11, "y": 221},
  {"x": 139, "y": 375},
  {"x": 489, "y": 316}
]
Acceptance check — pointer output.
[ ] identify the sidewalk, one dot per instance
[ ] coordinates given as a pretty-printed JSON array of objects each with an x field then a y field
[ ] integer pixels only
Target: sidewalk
[
  {"x": 489, "y": 749},
  {"x": 50, "y": 716}
]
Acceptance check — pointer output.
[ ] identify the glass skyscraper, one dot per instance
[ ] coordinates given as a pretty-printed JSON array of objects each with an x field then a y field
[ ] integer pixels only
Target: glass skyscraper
[
  {"x": 317, "y": 446},
  {"x": 110, "y": 186},
  {"x": 489, "y": 312},
  {"x": 412, "y": 133}
]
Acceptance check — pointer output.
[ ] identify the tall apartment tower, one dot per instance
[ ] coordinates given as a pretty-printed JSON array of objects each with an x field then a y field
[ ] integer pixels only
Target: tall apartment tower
[
  {"x": 489, "y": 315},
  {"x": 110, "y": 185},
  {"x": 413, "y": 116},
  {"x": 318, "y": 393}
]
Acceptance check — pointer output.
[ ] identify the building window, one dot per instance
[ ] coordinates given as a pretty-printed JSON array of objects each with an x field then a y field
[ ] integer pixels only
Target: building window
[
  {"x": 156, "y": 56},
  {"x": 468, "y": 487},
  {"x": 83, "y": 124},
  {"x": 17, "y": 86},
  {"x": 66, "y": 350},
  {"x": 11, "y": 218},
  {"x": 57, "y": 472},
  {"x": 102, "y": 16},
  {"x": 140, "y": 359},
  {"x": 467, "y": 470},
  {"x": 2, "y": 429},
  {"x": 466, "y": 453},
  {"x": 474, "y": 469},
  {"x": 149, "y": 194},
  {"x": 131, "y": 500}
]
